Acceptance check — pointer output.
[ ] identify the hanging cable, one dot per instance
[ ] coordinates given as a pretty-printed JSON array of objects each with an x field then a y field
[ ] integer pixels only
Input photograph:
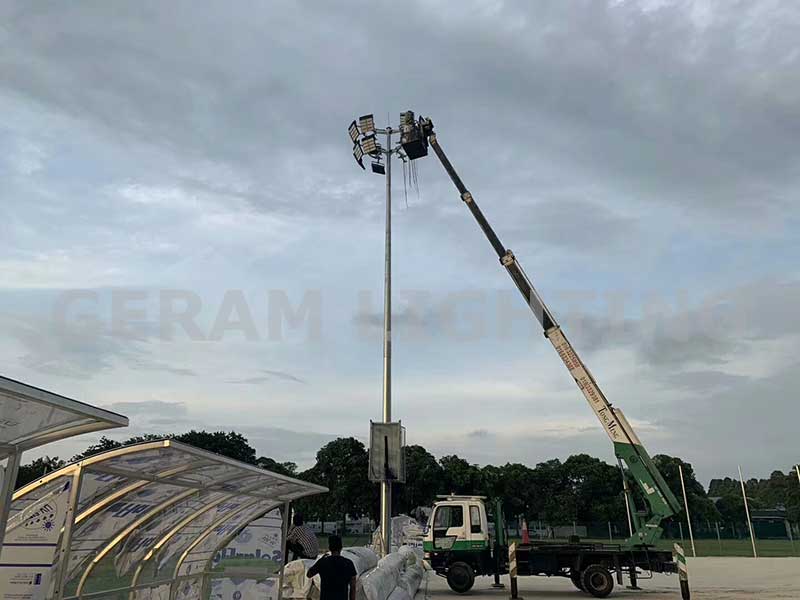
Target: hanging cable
[{"x": 405, "y": 183}]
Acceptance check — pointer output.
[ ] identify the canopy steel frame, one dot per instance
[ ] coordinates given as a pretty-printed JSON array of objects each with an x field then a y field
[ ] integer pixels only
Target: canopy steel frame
[
  {"x": 154, "y": 512},
  {"x": 77, "y": 418},
  {"x": 266, "y": 492},
  {"x": 175, "y": 529}
]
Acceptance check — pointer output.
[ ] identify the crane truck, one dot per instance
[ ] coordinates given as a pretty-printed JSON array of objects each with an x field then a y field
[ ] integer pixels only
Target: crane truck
[{"x": 458, "y": 538}]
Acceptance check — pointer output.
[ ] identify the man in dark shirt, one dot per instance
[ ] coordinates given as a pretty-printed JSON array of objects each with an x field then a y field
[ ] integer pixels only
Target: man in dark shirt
[{"x": 336, "y": 572}]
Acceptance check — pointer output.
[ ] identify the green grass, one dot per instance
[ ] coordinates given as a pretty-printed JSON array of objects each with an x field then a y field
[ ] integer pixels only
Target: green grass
[{"x": 712, "y": 547}]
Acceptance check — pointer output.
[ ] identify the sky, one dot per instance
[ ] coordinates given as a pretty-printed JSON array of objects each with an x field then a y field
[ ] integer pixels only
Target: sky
[{"x": 186, "y": 239}]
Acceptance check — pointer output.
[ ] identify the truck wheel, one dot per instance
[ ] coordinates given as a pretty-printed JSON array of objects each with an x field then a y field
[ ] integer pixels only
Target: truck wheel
[
  {"x": 575, "y": 578},
  {"x": 460, "y": 577},
  {"x": 597, "y": 581}
]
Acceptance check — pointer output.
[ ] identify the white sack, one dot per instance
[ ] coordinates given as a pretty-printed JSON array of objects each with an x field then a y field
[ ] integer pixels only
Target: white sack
[
  {"x": 363, "y": 558},
  {"x": 376, "y": 584},
  {"x": 295, "y": 582},
  {"x": 399, "y": 594},
  {"x": 410, "y": 579},
  {"x": 394, "y": 561},
  {"x": 411, "y": 554}
]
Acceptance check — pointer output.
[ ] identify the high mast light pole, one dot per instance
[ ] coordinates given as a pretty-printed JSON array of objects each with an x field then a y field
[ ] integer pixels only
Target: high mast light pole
[{"x": 364, "y": 134}]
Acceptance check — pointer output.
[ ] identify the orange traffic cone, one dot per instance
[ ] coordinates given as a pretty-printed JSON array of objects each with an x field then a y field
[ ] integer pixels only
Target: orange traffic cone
[{"x": 526, "y": 538}]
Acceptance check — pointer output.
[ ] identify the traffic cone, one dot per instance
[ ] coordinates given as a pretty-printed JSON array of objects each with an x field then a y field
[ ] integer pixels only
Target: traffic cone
[{"x": 526, "y": 538}]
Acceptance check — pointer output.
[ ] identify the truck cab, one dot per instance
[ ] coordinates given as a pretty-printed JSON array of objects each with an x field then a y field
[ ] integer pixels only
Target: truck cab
[{"x": 459, "y": 543}]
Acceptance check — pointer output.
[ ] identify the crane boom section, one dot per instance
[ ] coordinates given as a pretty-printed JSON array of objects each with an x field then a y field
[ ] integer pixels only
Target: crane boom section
[{"x": 627, "y": 446}]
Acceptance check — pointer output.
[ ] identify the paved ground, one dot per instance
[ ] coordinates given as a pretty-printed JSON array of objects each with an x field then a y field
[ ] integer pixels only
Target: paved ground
[{"x": 728, "y": 578}]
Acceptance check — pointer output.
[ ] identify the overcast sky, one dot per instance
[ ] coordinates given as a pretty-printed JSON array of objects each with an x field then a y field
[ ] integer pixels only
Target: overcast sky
[{"x": 641, "y": 160}]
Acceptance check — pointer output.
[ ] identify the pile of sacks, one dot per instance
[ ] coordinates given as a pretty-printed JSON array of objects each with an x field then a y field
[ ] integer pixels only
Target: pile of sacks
[
  {"x": 405, "y": 530},
  {"x": 397, "y": 576},
  {"x": 297, "y": 585}
]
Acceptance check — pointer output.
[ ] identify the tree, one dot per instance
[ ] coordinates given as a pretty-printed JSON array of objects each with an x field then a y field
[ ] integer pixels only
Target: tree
[
  {"x": 342, "y": 466},
  {"x": 459, "y": 477},
  {"x": 513, "y": 484},
  {"x": 723, "y": 487},
  {"x": 594, "y": 488},
  {"x": 106, "y": 444},
  {"x": 38, "y": 468},
  {"x": 700, "y": 506},
  {"x": 283, "y": 468},
  {"x": 423, "y": 479},
  {"x": 231, "y": 444}
]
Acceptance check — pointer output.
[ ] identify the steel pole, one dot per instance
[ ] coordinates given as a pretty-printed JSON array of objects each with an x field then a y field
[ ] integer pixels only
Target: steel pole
[
  {"x": 386, "y": 486},
  {"x": 747, "y": 512},
  {"x": 285, "y": 559},
  {"x": 797, "y": 468},
  {"x": 686, "y": 508},
  {"x": 7, "y": 489}
]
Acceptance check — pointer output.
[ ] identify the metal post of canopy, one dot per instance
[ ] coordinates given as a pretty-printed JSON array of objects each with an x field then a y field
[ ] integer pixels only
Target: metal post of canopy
[
  {"x": 284, "y": 558},
  {"x": 60, "y": 575},
  {"x": 7, "y": 490}
]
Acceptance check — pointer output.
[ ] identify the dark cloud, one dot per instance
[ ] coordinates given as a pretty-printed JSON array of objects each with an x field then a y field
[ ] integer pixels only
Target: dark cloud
[
  {"x": 144, "y": 138},
  {"x": 479, "y": 433},
  {"x": 573, "y": 224},
  {"x": 701, "y": 382},
  {"x": 81, "y": 351},
  {"x": 718, "y": 328},
  {"x": 270, "y": 375},
  {"x": 748, "y": 422},
  {"x": 641, "y": 99}
]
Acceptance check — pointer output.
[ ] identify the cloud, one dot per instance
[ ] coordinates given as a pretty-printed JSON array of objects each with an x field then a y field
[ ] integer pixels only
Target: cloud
[
  {"x": 83, "y": 351},
  {"x": 150, "y": 408},
  {"x": 568, "y": 222},
  {"x": 642, "y": 147},
  {"x": 270, "y": 375},
  {"x": 479, "y": 433},
  {"x": 701, "y": 382},
  {"x": 646, "y": 98}
]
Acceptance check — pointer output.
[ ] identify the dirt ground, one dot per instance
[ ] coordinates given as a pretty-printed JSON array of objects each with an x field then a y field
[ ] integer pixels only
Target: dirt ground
[{"x": 715, "y": 578}]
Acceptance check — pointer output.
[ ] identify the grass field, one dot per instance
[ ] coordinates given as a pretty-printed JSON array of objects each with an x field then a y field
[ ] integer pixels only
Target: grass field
[{"x": 776, "y": 548}]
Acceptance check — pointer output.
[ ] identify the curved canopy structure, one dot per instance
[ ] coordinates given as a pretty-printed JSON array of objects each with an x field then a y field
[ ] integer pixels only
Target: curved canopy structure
[
  {"x": 31, "y": 417},
  {"x": 142, "y": 517}
]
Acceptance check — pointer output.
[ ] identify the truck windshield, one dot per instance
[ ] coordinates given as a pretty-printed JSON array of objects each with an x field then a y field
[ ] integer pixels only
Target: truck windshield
[{"x": 448, "y": 516}]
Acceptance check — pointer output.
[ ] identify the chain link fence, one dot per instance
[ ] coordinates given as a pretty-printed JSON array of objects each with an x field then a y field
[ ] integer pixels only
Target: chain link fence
[{"x": 774, "y": 537}]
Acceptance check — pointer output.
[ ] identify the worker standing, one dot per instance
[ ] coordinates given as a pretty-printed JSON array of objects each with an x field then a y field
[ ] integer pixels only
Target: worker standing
[
  {"x": 337, "y": 573},
  {"x": 301, "y": 540}
]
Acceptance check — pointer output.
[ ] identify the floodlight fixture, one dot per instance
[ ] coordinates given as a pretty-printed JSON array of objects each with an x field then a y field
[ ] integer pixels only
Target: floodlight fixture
[
  {"x": 366, "y": 123},
  {"x": 353, "y": 131},
  {"x": 358, "y": 154},
  {"x": 370, "y": 144},
  {"x": 377, "y": 167}
]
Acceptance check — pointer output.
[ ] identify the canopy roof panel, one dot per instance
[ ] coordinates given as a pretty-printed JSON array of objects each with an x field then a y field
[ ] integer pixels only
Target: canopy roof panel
[
  {"x": 162, "y": 501},
  {"x": 31, "y": 417}
]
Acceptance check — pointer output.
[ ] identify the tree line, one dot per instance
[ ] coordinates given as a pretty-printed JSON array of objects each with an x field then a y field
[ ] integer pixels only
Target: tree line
[{"x": 581, "y": 489}]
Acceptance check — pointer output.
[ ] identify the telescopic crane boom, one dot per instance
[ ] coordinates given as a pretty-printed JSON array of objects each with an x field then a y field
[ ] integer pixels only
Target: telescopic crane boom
[{"x": 627, "y": 446}]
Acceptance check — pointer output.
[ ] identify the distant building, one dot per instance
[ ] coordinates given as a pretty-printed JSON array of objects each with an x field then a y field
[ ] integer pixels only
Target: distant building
[{"x": 770, "y": 523}]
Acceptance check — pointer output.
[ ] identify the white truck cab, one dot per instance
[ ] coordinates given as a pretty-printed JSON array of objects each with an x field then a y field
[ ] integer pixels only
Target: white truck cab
[
  {"x": 459, "y": 542},
  {"x": 458, "y": 523}
]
